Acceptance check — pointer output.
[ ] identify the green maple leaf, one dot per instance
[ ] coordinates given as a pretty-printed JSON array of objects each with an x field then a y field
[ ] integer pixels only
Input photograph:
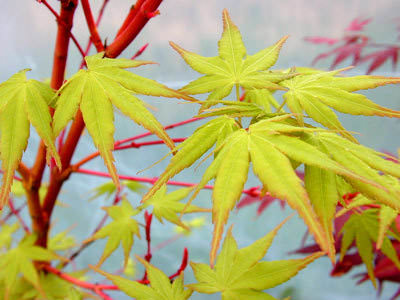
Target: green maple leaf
[
  {"x": 160, "y": 287},
  {"x": 233, "y": 67},
  {"x": 239, "y": 274},
  {"x": 168, "y": 206},
  {"x": 121, "y": 230},
  {"x": 19, "y": 260},
  {"x": 6, "y": 233},
  {"x": 314, "y": 93},
  {"x": 105, "y": 83},
  {"x": 368, "y": 163},
  {"x": 271, "y": 147},
  {"x": 22, "y": 102},
  {"x": 54, "y": 288},
  {"x": 108, "y": 188},
  {"x": 190, "y": 150},
  {"x": 364, "y": 229},
  {"x": 61, "y": 241}
]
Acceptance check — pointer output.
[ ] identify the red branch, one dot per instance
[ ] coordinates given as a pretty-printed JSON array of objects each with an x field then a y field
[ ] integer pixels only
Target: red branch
[
  {"x": 15, "y": 212},
  {"x": 251, "y": 191},
  {"x": 147, "y": 218},
  {"x": 140, "y": 51},
  {"x": 10, "y": 214},
  {"x": 140, "y": 17},
  {"x": 129, "y": 146},
  {"x": 124, "y": 141},
  {"x": 59, "y": 20},
  {"x": 83, "y": 246},
  {"x": 184, "y": 264},
  {"x": 83, "y": 284},
  {"x": 89, "y": 44},
  {"x": 94, "y": 34}
]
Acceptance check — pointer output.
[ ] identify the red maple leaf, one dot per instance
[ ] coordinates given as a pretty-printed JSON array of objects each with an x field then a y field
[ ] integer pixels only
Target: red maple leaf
[
  {"x": 380, "y": 57},
  {"x": 358, "y": 24}
]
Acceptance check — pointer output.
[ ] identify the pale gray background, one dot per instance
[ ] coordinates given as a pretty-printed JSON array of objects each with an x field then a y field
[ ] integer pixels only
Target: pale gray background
[{"x": 27, "y": 40}]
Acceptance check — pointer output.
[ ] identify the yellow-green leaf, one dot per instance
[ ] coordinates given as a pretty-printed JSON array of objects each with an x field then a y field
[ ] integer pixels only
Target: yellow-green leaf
[
  {"x": 27, "y": 101},
  {"x": 121, "y": 230}
]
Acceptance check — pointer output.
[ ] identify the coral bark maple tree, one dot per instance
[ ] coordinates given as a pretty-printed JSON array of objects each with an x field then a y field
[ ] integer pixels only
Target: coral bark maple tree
[{"x": 253, "y": 130}]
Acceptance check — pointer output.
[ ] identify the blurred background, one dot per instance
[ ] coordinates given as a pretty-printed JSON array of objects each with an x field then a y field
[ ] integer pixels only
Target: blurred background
[{"x": 27, "y": 32}]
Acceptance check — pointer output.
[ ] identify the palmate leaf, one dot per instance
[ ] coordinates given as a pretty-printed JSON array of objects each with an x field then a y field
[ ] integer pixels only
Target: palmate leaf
[
  {"x": 369, "y": 164},
  {"x": 193, "y": 148},
  {"x": 270, "y": 147},
  {"x": 363, "y": 229},
  {"x": 22, "y": 102},
  {"x": 168, "y": 206},
  {"x": 315, "y": 93},
  {"x": 239, "y": 274},
  {"x": 19, "y": 260},
  {"x": 232, "y": 67},
  {"x": 160, "y": 287},
  {"x": 121, "y": 230},
  {"x": 105, "y": 83}
]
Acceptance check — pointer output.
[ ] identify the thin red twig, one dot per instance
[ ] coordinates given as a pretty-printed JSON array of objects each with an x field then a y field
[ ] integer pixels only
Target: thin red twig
[
  {"x": 147, "y": 218},
  {"x": 184, "y": 264},
  {"x": 73, "y": 256},
  {"x": 15, "y": 212},
  {"x": 59, "y": 21},
  {"x": 129, "y": 146},
  {"x": 10, "y": 214},
  {"x": 250, "y": 191},
  {"x": 139, "y": 136},
  {"x": 98, "y": 21},
  {"x": 140, "y": 51},
  {"x": 118, "y": 143},
  {"x": 94, "y": 34},
  {"x": 83, "y": 284}
]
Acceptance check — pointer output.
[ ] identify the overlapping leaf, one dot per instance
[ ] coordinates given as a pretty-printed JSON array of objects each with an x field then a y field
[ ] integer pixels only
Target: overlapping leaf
[
  {"x": 233, "y": 67},
  {"x": 160, "y": 287},
  {"x": 315, "y": 93},
  {"x": 363, "y": 229},
  {"x": 269, "y": 145},
  {"x": 109, "y": 188},
  {"x": 120, "y": 231},
  {"x": 105, "y": 83},
  {"x": 19, "y": 260},
  {"x": 369, "y": 164},
  {"x": 168, "y": 206},
  {"x": 193, "y": 148},
  {"x": 22, "y": 102},
  {"x": 239, "y": 274}
]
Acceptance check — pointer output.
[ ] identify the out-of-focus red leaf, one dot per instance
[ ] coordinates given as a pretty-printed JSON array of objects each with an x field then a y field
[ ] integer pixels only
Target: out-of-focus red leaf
[
  {"x": 264, "y": 202},
  {"x": 321, "y": 40},
  {"x": 380, "y": 57},
  {"x": 358, "y": 24},
  {"x": 344, "y": 266},
  {"x": 352, "y": 47}
]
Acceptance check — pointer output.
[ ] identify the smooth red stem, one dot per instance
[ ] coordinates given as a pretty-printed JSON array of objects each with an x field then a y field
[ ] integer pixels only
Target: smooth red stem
[
  {"x": 140, "y": 51},
  {"x": 147, "y": 218},
  {"x": 130, "y": 16},
  {"x": 251, "y": 191},
  {"x": 129, "y": 146},
  {"x": 139, "y": 136},
  {"x": 59, "y": 20},
  {"x": 15, "y": 212},
  {"x": 94, "y": 34},
  {"x": 135, "y": 26},
  {"x": 40, "y": 220},
  {"x": 184, "y": 264},
  {"x": 83, "y": 284},
  {"x": 99, "y": 18}
]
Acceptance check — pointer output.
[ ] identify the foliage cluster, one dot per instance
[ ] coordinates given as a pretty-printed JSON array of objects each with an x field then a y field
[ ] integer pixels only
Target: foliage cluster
[{"x": 347, "y": 194}]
